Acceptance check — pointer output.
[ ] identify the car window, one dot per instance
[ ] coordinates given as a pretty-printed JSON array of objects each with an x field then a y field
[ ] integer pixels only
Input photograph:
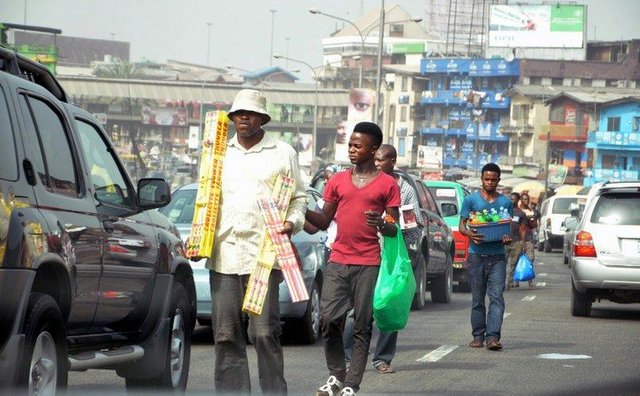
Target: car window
[
  {"x": 617, "y": 208},
  {"x": 564, "y": 205},
  {"x": 182, "y": 206},
  {"x": 426, "y": 200},
  {"x": 48, "y": 141},
  {"x": 106, "y": 177},
  {"x": 9, "y": 167}
]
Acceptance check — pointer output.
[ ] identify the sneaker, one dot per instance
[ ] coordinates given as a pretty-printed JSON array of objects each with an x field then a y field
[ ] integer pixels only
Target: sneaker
[
  {"x": 348, "y": 391},
  {"x": 331, "y": 388},
  {"x": 384, "y": 368}
]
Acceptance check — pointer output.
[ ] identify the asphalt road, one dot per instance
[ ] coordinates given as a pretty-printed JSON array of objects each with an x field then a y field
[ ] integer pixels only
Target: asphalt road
[{"x": 546, "y": 350}]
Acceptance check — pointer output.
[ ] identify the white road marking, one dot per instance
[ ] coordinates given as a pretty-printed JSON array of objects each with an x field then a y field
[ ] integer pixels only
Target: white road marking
[
  {"x": 529, "y": 298},
  {"x": 541, "y": 284},
  {"x": 542, "y": 274},
  {"x": 539, "y": 263},
  {"x": 437, "y": 354},
  {"x": 506, "y": 314},
  {"x": 560, "y": 356}
]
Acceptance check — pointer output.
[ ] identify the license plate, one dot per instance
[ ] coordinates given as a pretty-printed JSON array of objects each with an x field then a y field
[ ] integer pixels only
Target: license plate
[{"x": 630, "y": 247}]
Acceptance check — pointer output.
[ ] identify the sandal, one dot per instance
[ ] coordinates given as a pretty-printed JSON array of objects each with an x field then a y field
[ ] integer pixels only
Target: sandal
[
  {"x": 476, "y": 343},
  {"x": 385, "y": 368}
]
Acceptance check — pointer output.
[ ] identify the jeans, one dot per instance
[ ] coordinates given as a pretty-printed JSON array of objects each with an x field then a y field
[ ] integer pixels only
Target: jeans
[
  {"x": 486, "y": 276},
  {"x": 231, "y": 373},
  {"x": 346, "y": 287},
  {"x": 385, "y": 346}
]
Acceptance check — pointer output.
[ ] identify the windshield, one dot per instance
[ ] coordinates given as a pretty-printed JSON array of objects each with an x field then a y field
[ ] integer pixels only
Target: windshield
[
  {"x": 617, "y": 208},
  {"x": 182, "y": 206},
  {"x": 564, "y": 205}
]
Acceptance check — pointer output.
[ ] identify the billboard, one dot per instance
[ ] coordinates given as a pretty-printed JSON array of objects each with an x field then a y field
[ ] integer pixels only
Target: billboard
[
  {"x": 361, "y": 104},
  {"x": 429, "y": 158},
  {"x": 537, "y": 26}
]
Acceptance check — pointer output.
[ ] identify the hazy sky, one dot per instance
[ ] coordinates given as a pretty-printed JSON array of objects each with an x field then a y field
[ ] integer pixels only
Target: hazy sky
[{"x": 240, "y": 33}]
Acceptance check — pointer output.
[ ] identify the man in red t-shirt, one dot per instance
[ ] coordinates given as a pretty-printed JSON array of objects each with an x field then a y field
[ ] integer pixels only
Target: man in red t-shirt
[{"x": 356, "y": 199}]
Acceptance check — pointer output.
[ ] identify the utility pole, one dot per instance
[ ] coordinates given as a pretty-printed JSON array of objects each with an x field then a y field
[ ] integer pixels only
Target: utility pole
[{"x": 273, "y": 18}]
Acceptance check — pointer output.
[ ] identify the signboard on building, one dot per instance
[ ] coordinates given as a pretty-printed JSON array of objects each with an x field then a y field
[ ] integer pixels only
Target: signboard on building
[
  {"x": 537, "y": 26},
  {"x": 429, "y": 158},
  {"x": 407, "y": 48},
  {"x": 194, "y": 137},
  {"x": 169, "y": 116},
  {"x": 472, "y": 67}
]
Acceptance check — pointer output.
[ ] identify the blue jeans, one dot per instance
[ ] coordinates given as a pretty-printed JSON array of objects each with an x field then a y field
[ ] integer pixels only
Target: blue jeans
[{"x": 487, "y": 276}]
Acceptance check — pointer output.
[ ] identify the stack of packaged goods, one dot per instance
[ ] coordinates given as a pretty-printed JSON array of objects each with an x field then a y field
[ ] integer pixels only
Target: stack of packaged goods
[{"x": 205, "y": 216}]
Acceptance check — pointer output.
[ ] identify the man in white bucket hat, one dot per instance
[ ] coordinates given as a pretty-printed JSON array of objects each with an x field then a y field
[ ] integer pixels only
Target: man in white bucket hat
[{"x": 252, "y": 158}]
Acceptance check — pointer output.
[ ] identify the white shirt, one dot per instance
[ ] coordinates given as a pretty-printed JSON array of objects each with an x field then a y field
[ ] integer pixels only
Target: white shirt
[{"x": 245, "y": 177}]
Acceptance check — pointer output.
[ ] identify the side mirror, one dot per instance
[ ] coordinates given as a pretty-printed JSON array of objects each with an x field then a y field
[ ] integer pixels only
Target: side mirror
[{"x": 153, "y": 193}]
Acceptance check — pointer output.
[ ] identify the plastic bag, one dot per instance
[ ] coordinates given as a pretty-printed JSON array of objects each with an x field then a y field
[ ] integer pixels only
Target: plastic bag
[
  {"x": 395, "y": 286},
  {"x": 524, "y": 269}
]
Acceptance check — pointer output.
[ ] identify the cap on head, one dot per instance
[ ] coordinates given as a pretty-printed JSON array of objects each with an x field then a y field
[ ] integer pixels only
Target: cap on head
[{"x": 251, "y": 100}]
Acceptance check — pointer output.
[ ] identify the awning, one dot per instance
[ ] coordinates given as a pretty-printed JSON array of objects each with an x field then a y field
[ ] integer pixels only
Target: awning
[{"x": 142, "y": 89}]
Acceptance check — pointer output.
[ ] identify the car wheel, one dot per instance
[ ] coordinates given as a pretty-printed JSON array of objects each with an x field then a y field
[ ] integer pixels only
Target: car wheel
[
  {"x": 421, "y": 285},
  {"x": 547, "y": 246},
  {"x": 463, "y": 286},
  {"x": 565, "y": 259},
  {"x": 540, "y": 246},
  {"x": 580, "y": 302},
  {"x": 176, "y": 368},
  {"x": 310, "y": 324},
  {"x": 43, "y": 369},
  {"x": 442, "y": 286}
]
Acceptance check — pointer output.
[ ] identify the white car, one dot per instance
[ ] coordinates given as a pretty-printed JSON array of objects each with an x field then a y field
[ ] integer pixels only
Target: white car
[
  {"x": 606, "y": 248},
  {"x": 553, "y": 212}
]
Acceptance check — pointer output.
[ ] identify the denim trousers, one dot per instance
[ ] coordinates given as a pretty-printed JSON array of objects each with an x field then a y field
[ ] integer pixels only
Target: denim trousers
[
  {"x": 231, "y": 373},
  {"x": 486, "y": 276},
  {"x": 346, "y": 287},
  {"x": 385, "y": 345}
]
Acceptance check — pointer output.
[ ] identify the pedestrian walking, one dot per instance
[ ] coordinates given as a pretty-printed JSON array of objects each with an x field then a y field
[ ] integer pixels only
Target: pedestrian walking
[
  {"x": 251, "y": 161},
  {"x": 385, "y": 350},
  {"x": 486, "y": 262},
  {"x": 530, "y": 225},
  {"x": 356, "y": 198},
  {"x": 516, "y": 247}
]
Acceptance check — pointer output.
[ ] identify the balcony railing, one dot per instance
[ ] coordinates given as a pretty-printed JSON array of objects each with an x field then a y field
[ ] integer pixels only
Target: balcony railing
[
  {"x": 606, "y": 138},
  {"x": 564, "y": 133},
  {"x": 595, "y": 175}
]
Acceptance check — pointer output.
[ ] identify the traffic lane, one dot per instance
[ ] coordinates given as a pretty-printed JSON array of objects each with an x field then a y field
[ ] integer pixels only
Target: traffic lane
[{"x": 532, "y": 327}]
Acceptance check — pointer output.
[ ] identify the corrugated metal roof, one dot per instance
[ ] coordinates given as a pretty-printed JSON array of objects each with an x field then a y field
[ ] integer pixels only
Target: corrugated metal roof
[
  {"x": 584, "y": 94},
  {"x": 140, "y": 89}
]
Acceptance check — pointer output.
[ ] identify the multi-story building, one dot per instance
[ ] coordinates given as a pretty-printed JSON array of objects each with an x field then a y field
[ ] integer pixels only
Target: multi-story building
[
  {"x": 614, "y": 148},
  {"x": 463, "y": 105}
]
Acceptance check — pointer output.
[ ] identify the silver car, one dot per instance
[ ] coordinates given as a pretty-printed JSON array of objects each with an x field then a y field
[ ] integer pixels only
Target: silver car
[
  {"x": 301, "y": 321},
  {"x": 606, "y": 248}
]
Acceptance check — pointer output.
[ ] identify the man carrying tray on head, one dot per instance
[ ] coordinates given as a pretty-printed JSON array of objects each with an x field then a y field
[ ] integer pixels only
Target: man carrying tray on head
[
  {"x": 486, "y": 262},
  {"x": 251, "y": 161}
]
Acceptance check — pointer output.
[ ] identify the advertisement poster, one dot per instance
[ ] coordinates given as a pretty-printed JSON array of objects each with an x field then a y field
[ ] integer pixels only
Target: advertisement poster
[
  {"x": 537, "y": 26},
  {"x": 361, "y": 104},
  {"x": 194, "y": 137},
  {"x": 429, "y": 158},
  {"x": 168, "y": 116}
]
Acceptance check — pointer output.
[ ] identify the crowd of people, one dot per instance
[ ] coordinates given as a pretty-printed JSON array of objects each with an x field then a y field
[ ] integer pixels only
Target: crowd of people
[{"x": 359, "y": 206}]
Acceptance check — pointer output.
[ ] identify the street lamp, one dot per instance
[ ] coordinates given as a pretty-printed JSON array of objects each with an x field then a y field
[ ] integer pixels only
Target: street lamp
[
  {"x": 315, "y": 101},
  {"x": 208, "y": 40},
  {"x": 273, "y": 18},
  {"x": 362, "y": 37}
]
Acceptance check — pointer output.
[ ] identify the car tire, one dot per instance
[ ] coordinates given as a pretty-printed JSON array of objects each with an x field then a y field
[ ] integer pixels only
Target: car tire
[
  {"x": 464, "y": 286},
  {"x": 45, "y": 356},
  {"x": 309, "y": 325},
  {"x": 442, "y": 286},
  {"x": 421, "y": 285},
  {"x": 540, "y": 246},
  {"x": 580, "y": 302},
  {"x": 176, "y": 368},
  {"x": 547, "y": 246},
  {"x": 565, "y": 259}
]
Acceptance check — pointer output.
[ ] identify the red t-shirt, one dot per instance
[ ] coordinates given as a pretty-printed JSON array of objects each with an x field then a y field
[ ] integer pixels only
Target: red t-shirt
[{"x": 356, "y": 242}]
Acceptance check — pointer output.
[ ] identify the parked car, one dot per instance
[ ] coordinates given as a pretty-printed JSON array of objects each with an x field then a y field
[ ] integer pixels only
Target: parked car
[
  {"x": 568, "y": 226},
  {"x": 301, "y": 319},
  {"x": 553, "y": 211},
  {"x": 606, "y": 248},
  {"x": 90, "y": 277},
  {"x": 449, "y": 196},
  {"x": 432, "y": 258}
]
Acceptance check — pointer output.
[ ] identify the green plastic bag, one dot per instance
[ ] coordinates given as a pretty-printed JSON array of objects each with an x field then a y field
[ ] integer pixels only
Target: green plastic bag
[{"x": 395, "y": 286}]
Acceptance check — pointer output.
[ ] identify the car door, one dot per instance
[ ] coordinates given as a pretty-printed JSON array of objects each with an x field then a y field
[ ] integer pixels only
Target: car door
[
  {"x": 75, "y": 233},
  {"x": 130, "y": 244},
  {"x": 438, "y": 233}
]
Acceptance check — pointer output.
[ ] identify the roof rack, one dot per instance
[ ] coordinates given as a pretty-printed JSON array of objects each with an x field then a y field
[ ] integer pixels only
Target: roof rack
[{"x": 21, "y": 66}]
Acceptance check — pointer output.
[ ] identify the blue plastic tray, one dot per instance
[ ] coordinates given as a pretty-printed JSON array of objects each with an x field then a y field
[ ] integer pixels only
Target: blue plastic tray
[{"x": 493, "y": 232}]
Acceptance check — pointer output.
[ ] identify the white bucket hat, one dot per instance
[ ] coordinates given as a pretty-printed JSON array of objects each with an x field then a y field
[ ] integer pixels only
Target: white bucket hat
[{"x": 250, "y": 100}]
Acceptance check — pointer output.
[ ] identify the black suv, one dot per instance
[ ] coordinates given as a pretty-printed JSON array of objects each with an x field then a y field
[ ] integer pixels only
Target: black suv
[{"x": 89, "y": 276}]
